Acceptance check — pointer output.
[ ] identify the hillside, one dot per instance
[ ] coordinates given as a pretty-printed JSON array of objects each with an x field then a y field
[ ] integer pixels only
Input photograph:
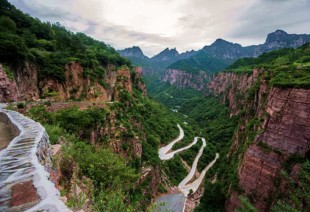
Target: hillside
[{"x": 95, "y": 109}]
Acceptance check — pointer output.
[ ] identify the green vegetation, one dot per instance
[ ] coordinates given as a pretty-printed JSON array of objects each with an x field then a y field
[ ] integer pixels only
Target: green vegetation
[
  {"x": 246, "y": 205},
  {"x": 201, "y": 62},
  {"x": 51, "y": 46},
  {"x": 284, "y": 68},
  {"x": 141, "y": 118},
  {"x": 298, "y": 197},
  {"x": 216, "y": 126}
]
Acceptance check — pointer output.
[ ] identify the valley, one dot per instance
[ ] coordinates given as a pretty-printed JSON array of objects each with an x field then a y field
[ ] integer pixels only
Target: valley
[{"x": 86, "y": 127}]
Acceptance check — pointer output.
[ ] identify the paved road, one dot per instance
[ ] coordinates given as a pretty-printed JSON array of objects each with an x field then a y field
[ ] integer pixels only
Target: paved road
[
  {"x": 170, "y": 203},
  {"x": 176, "y": 202}
]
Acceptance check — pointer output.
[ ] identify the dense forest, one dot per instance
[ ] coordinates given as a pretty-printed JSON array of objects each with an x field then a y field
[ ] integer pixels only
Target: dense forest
[
  {"x": 50, "y": 45},
  {"x": 286, "y": 67}
]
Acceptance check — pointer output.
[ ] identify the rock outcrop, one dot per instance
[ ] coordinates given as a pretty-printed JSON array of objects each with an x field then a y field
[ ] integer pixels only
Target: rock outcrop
[
  {"x": 8, "y": 89},
  {"x": 26, "y": 84},
  {"x": 182, "y": 79}
]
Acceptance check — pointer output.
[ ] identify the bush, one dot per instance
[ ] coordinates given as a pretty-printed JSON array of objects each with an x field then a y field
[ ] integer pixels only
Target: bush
[{"x": 21, "y": 105}]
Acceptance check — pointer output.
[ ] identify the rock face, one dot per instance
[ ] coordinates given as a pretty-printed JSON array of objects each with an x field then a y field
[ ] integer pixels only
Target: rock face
[
  {"x": 24, "y": 168},
  {"x": 133, "y": 52},
  {"x": 280, "y": 39},
  {"x": 284, "y": 131},
  {"x": 8, "y": 89},
  {"x": 123, "y": 82},
  {"x": 27, "y": 85},
  {"x": 27, "y": 81},
  {"x": 234, "y": 86},
  {"x": 77, "y": 86},
  {"x": 138, "y": 80},
  {"x": 182, "y": 79}
]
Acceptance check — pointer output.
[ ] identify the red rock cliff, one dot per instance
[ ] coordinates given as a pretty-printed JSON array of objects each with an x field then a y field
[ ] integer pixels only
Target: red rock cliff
[
  {"x": 8, "y": 89},
  {"x": 27, "y": 86},
  {"x": 182, "y": 79},
  {"x": 284, "y": 131}
]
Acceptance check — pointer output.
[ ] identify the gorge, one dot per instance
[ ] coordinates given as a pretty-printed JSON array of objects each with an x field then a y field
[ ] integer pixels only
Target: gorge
[{"x": 85, "y": 127}]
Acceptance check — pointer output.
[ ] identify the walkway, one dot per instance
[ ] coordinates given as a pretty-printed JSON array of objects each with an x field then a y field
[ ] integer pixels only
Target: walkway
[{"x": 24, "y": 166}]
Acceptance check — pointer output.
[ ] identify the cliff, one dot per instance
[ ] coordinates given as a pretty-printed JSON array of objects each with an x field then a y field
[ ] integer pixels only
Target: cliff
[
  {"x": 274, "y": 127},
  {"x": 26, "y": 83},
  {"x": 182, "y": 79},
  {"x": 8, "y": 89}
]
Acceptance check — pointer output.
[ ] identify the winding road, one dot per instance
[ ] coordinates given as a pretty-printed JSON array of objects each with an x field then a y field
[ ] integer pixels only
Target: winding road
[{"x": 186, "y": 186}]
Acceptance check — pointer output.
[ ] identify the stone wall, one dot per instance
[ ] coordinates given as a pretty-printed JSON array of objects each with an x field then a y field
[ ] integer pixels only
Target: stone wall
[{"x": 24, "y": 168}]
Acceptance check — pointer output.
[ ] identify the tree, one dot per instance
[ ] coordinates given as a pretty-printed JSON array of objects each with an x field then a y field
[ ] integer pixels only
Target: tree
[{"x": 7, "y": 24}]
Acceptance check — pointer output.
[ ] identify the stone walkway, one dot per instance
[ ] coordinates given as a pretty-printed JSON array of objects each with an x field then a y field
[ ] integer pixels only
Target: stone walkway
[{"x": 24, "y": 169}]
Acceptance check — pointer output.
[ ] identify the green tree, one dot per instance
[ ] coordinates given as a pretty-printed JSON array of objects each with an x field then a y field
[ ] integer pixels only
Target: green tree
[{"x": 7, "y": 24}]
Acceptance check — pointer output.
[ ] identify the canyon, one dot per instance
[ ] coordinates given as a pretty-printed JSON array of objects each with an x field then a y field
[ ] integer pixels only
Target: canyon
[{"x": 89, "y": 128}]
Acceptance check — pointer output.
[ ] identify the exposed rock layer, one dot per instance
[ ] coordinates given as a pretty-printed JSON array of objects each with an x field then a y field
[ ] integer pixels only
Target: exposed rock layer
[
  {"x": 27, "y": 86},
  {"x": 283, "y": 132},
  {"x": 182, "y": 79}
]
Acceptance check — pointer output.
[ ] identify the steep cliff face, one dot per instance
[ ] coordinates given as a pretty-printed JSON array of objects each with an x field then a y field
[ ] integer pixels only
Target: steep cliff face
[
  {"x": 8, "y": 89},
  {"x": 234, "y": 86},
  {"x": 286, "y": 133},
  {"x": 182, "y": 79},
  {"x": 77, "y": 85},
  {"x": 26, "y": 84},
  {"x": 26, "y": 77},
  {"x": 279, "y": 119}
]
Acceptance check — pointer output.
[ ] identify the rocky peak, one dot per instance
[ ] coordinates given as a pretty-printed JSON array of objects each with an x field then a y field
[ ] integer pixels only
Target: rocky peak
[
  {"x": 134, "y": 51},
  {"x": 280, "y": 39},
  {"x": 220, "y": 42},
  {"x": 187, "y": 54},
  {"x": 224, "y": 49},
  {"x": 278, "y": 35},
  {"x": 166, "y": 54}
]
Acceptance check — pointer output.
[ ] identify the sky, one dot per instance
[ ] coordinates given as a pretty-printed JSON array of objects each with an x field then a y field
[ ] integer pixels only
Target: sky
[{"x": 154, "y": 25}]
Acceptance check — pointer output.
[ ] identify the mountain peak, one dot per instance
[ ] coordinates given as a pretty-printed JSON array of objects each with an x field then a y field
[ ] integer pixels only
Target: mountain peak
[
  {"x": 167, "y": 54},
  {"x": 220, "y": 40},
  {"x": 134, "y": 51},
  {"x": 276, "y": 36}
]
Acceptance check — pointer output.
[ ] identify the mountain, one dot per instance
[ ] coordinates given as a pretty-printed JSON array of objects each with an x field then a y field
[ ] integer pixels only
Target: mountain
[
  {"x": 166, "y": 55},
  {"x": 222, "y": 53},
  {"x": 161, "y": 60},
  {"x": 133, "y": 52},
  {"x": 153, "y": 68},
  {"x": 136, "y": 56},
  {"x": 279, "y": 40}
]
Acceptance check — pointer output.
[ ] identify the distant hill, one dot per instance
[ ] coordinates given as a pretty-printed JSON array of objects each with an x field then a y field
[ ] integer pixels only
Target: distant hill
[
  {"x": 159, "y": 61},
  {"x": 222, "y": 53}
]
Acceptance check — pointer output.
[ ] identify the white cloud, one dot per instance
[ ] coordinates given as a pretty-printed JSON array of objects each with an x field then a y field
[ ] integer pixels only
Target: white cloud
[{"x": 186, "y": 24}]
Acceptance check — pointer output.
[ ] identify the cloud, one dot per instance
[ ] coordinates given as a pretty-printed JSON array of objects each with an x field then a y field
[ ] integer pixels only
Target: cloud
[
  {"x": 265, "y": 16},
  {"x": 186, "y": 24}
]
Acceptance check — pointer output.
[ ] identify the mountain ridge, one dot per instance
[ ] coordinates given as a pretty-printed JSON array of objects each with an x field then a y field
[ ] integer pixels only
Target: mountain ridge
[{"x": 217, "y": 56}]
